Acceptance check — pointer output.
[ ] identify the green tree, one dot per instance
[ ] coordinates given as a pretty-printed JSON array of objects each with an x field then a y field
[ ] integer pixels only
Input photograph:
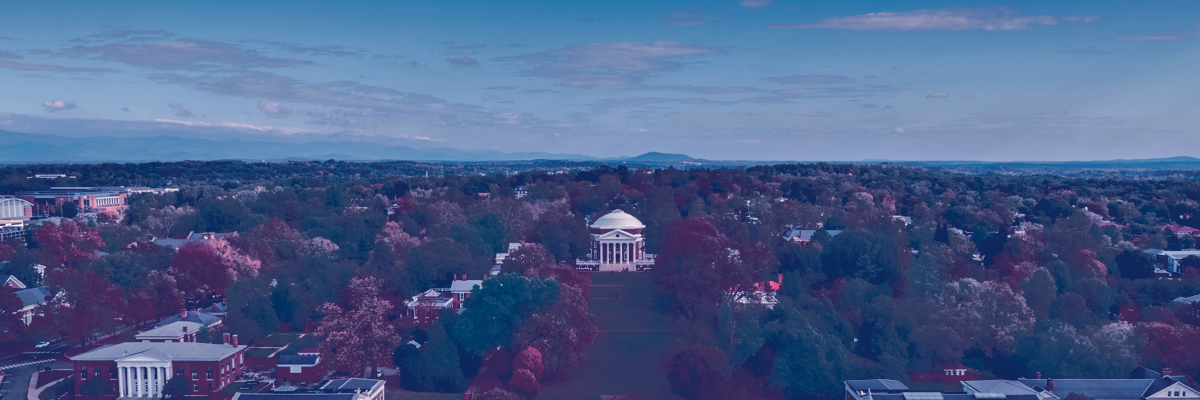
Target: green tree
[
  {"x": 70, "y": 210},
  {"x": 809, "y": 362},
  {"x": 497, "y": 308},
  {"x": 94, "y": 387},
  {"x": 1135, "y": 264},
  {"x": 176, "y": 387},
  {"x": 861, "y": 254}
]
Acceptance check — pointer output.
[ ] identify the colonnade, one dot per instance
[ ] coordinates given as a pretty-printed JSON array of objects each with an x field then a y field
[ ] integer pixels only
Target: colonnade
[
  {"x": 142, "y": 381},
  {"x": 620, "y": 253}
]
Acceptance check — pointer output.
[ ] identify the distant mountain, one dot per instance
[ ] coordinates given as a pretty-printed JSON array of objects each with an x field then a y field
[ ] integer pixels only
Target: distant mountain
[
  {"x": 1180, "y": 162},
  {"x": 38, "y": 148},
  {"x": 661, "y": 157}
]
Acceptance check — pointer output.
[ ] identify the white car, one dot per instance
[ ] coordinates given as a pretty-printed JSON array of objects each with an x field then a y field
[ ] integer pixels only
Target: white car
[{"x": 41, "y": 345}]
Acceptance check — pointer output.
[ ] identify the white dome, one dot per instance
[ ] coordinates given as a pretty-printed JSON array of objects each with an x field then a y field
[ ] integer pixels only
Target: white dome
[{"x": 617, "y": 220}]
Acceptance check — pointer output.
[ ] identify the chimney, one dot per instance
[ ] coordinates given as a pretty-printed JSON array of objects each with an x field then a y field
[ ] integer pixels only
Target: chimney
[
  {"x": 779, "y": 278},
  {"x": 185, "y": 329},
  {"x": 1139, "y": 361},
  {"x": 225, "y": 338},
  {"x": 1039, "y": 376},
  {"x": 183, "y": 314},
  {"x": 234, "y": 342},
  {"x": 1050, "y": 384},
  {"x": 1166, "y": 371}
]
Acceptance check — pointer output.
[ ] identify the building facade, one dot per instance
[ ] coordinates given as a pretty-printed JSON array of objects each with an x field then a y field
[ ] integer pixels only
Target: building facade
[
  {"x": 142, "y": 369},
  {"x": 89, "y": 199},
  {"x": 179, "y": 331},
  {"x": 424, "y": 307},
  {"x": 13, "y": 214},
  {"x": 617, "y": 244}
]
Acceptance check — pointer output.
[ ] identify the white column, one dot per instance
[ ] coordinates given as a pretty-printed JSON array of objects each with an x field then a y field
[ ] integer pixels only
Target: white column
[
  {"x": 137, "y": 381},
  {"x": 603, "y": 253},
  {"x": 121, "y": 381}
]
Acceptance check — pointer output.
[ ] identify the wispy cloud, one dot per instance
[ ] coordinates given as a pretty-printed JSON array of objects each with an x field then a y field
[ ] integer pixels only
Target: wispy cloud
[
  {"x": 180, "y": 110},
  {"x": 59, "y": 105},
  {"x": 1083, "y": 50},
  {"x": 274, "y": 110},
  {"x": 687, "y": 16},
  {"x": 812, "y": 113},
  {"x": 759, "y": 4},
  {"x": 1159, "y": 37},
  {"x": 937, "y": 95},
  {"x": 319, "y": 50},
  {"x": 29, "y": 66},
  {"x": 950, "y": 19},
  {"x": 183, "y": 55},
  {"x": 611, "y": 66},
  {"x": 463, "y": 61},
  {"x": 809, "y": 79}
]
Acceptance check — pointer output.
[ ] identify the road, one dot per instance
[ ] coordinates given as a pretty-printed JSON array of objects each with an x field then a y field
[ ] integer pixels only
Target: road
[{"x": 18, "y": 368}]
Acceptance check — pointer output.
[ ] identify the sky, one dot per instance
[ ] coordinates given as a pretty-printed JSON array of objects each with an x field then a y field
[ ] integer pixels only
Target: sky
[{"x": 731, "y": 80}]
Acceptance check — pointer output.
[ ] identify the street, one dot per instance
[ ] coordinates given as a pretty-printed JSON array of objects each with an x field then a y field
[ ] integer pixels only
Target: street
[{"x": 18, "y": 369}]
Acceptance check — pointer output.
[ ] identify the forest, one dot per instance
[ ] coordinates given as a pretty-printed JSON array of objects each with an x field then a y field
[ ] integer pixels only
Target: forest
[{"x": 1006, "y": 274}]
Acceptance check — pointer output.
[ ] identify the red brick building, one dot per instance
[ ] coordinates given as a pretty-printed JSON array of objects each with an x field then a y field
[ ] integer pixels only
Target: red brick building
[
  {"x": 303, "y": 367},
  {"x": 89, "y": 199},
  {"x": 141, "y": 369}
]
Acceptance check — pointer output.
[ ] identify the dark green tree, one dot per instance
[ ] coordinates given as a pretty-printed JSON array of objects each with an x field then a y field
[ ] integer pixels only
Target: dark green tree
[
  {"x": 94, "y": 387},
  {"x": 495, "y": 310},
  {"x": 176, "y": 387}
]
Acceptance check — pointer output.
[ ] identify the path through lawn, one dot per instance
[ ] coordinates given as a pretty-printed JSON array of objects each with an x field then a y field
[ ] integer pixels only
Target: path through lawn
[{"x": 629, "y": 353}]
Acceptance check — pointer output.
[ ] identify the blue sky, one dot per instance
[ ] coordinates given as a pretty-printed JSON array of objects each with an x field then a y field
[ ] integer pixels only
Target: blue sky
[{"x": 750, "y": 79}]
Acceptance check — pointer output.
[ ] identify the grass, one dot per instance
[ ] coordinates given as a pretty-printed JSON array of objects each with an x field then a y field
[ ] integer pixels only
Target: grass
[{"x": 306, "y": 341}]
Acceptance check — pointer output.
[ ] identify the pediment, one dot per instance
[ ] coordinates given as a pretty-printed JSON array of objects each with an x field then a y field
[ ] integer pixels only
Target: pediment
[
  {"x": 616, "y": 234},
  {"x": 1176, "y": 387}
]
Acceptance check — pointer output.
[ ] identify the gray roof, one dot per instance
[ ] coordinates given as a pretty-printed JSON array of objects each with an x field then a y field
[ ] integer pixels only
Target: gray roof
[
  {"x": 199, "y": 317},
  {"x": 297, "y": 359},
  {"x": 806, "y": 234},
  {"x": 1104, "y": 389},
  {"x": 876, "y": 384},
  {"x": 172, "y": 330},
  {"x": 174, "y": 351},
  {"x": 294, "y": 396},
  {"x": 33, "y": 296},
  {"x": 1144, "y": 373},
  {"x": 351, "y": 384},
  {"x": 1000, "y": 386}
]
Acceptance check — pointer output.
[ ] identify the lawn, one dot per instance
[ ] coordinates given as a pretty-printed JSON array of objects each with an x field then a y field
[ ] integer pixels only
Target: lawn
[
  {"x": 260, "y": 351},
  {"x": 304, "y": 342},
  {"x": 280, "y": 339}
]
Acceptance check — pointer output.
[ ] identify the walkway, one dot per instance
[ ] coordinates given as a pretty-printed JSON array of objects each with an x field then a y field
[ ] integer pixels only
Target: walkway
[{"x": 629, "y": 353}]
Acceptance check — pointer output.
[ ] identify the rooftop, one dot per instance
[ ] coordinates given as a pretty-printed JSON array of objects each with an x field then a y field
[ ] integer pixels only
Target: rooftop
[
  {"x": 173, "y": 351},
  {"x": 352, "y": 384},
  {"x": 298, "y": 359},
  {"x": 172, "y": 330},
  {"x": 617, "y": 220}
]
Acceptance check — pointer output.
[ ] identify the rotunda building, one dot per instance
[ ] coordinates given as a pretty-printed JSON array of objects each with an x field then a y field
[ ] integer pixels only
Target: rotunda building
[{"x": 617, "y": 244}]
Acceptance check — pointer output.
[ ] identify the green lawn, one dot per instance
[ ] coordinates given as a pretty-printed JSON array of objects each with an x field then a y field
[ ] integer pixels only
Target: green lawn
[{"x": 260, "y": 351}]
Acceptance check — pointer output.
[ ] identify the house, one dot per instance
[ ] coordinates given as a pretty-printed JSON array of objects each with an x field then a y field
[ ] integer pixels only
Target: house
[
  {"x": 299, "y": 368},
  {"x": 1180, "y": 230},
  {"x": 803, "y": 236},
  {"x": 141, "y": 369},
  {"x": 907, "y": 220},
  {"x": 12, "y": 282},
  {"x": 500, "y": 257},
  {"x": 763, "y": 293},
  {"x": 424, "y": 307},
  {"x": 1170, "y": 260},
  {"x": 199, "y": 317},
  {"x": 179, "y": 331},
  {"x": 521, "y": 191},
  {"x": 31, "y": 301},
  {"x": 1143, "y": 384},
  {"x": 88, "y": 199},
  {"x": 192, "y": 237},
  {"x": 337, "y": 389}
]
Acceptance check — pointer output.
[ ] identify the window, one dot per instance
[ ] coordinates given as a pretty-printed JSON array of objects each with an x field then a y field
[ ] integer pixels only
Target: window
[
  {"x": 195, "y": 388},
  {"x": 195, "y": 372},
  {"x": 112, "y": 373},
  {"x": 97, "y": 371},
  {"x": 179, "y": 371},
  {"x": 208, "y": 375},
  {"x": 83, "y": 372}
]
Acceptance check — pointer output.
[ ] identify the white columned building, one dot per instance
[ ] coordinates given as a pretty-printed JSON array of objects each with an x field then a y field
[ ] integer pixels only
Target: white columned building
[
  {"x": 142, "y": 375},
  {"x": 617, "y": 244}
]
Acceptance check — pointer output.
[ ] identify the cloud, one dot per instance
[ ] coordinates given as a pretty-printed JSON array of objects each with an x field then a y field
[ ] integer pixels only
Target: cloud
[
  {"x": 759, "y": 4},
  {"x": 687, "y": 16},
  {"x": 191, "y": 55},
  {"x": 188, "y": 123},
  {"x": 1083, "y": 50},
  {"x": 273, "y": 110},
  {"x": 125, "y": 109},
  {"x": 28, "y": 66},
  {"x": 937, "y": 95},
  {"x": 710, "y": 89},
  {"x": 1159, "y": 37},
  {"x": 812, "y": 113},
  {"x": 180, "y": 111},
  {"x": 35, "y": 76},
  {"x": 323, "y": 50},
  {"x": 950, "y": 19},
  {"x": 129, "y": 35},
  {"x": 463, "y": 61},
  {"x": 898, "y": 130},
  {"x": 610, "y": 66},
  {"x": 809, "y": 79},
  {"x": 273, "y": 129},
  {"x": 59, "y": 105},
  {"x": 9, "y": 55}
]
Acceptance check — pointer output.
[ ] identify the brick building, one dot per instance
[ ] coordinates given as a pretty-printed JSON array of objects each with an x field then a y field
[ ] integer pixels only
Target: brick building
[
  {"x": 89, "y": 199},
  {"x": 141, "y": 369}
]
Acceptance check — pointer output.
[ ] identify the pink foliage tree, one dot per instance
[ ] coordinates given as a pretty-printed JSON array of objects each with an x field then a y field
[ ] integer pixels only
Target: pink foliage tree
[
  {"x": 358, "y": 337},
  {"x": 68, "y": 242},
  {"x": 525, "y": 383},
  {"x": 530, "y": 360}
]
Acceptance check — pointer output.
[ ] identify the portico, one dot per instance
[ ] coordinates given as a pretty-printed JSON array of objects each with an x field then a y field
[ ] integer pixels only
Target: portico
[
  {"x": 142, "y": 376},
  {"x": 617, "y": 244}
]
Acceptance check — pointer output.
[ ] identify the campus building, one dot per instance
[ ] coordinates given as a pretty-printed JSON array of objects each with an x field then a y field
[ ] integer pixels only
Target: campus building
[
  {"x": 49, "y": 202},
  {"x": 13, "y": 214},
  {"x": 1142, "y": 384},
  {"x": 617, "y": 244},
  {"x": 142, "y": 369}
]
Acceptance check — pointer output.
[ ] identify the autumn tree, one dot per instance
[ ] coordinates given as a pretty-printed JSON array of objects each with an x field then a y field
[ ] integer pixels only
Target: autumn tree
[
  {"x": 68, "y": 243},
  {"x": 10, "y": 306},
  {"x": 85, "y": 305},
  {"x": 358, "y": 338},
  {"x": 697, "y": 372},
  {"x": 525, "y": 383}
]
